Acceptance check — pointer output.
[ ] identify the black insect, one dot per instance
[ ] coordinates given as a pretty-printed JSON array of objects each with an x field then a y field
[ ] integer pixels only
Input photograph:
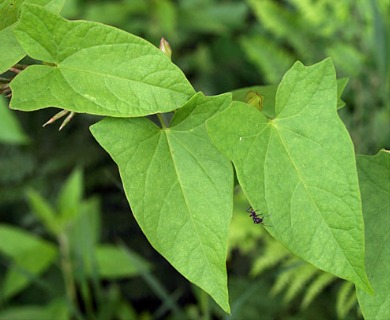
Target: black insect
[{"x": 257, "y": 218}]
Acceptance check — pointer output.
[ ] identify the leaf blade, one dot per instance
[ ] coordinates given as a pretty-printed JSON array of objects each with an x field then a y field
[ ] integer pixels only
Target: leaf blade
[
  {"x": 185, "y": 205},
  {"x": 374, "y": 174},
  {"x": 24, "y": 249},
  {"x": 95, "y": 69},
  {"x": 280, "y": 163},
  {"x": 9, "y": 11}
]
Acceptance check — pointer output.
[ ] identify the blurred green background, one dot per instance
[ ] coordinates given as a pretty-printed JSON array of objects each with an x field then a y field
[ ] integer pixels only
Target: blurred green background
[{"x": 94, "y": 251}]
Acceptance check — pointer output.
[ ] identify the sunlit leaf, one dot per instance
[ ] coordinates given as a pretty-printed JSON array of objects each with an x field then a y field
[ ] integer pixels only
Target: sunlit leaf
[
  {"x": 299, "y": 168},
  {"x": 93, "y": 68},
  {"x": 180, "y": 188}
]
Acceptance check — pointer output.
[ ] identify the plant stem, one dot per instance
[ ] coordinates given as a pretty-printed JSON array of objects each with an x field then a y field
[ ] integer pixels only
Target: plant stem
[
  {"x": 66, "y": 266},
  {"x": 161, "y": 118}
]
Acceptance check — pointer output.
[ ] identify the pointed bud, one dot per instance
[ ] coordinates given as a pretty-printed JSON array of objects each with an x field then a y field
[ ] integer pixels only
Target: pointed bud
[
  {"x": 60, "y": 115},
  {"x": 56, "y": 117},
  {"x": 66, "y": 121},
  {"x": 254, "y": 99},
  {"x": 165, "y": 48}
]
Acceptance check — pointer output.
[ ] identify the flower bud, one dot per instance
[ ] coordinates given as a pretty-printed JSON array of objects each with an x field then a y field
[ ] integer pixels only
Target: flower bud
[
  {"x": 166, "y": 48},
  {"x": 254, "y": 99}
]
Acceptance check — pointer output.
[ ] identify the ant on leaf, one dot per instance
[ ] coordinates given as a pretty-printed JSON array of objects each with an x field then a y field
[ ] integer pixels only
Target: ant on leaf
[{"x": 257, "y": 217}]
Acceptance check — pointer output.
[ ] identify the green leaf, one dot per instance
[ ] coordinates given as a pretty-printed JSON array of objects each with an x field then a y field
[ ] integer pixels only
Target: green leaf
[
  {"x": 10, "y": 130},
  {"x": 84, "y": 231},
  {"x": 57, "y": 309},
  {"x": 115, "y": 262},
  {"x": 341, "y": 84},
  {"x": 69, "y": 205},
  {"x": 299, "y": 168},
  {"x": 69, "y": 199},
  {"x": 180, "y": 188},
  {"x": 269, "y": 94},
  {"x": 45, "y": 212},
  {"x": 31, "y": 256},
  {"x": 374, "y": 177},
  {"x": 11, "y": 51},
  {"x": 93, "y": 68}
]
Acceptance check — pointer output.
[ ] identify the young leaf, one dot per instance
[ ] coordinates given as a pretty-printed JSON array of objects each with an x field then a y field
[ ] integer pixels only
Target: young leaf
[
  {"x": 70, "y": 197},
  {"x": 300, "y": 169},
  {"x": 11, "y": 52},
  {"x": 374, "y": 178},
  {"x": 180, "y": 188},
  {"x": 93, "y": 68}
]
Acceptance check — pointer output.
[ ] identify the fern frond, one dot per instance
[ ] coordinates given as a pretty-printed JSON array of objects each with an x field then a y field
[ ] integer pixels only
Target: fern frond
[
  {"x": 274, "y": 254},
  {"x": 349, "y": 59},
  {"x": 346, "y": 299},
  {"x": 322, "y": 280},
  {"x": 269, "y": 57},
  {"x": 280, "y": 283},
  {"x": 302, "y": 275},
  {"x": 285, "y": 277},
  {"x": 244, "y": 235},
  {"x": 309, "y": 10},
  {"x": 274, "y": 17}
]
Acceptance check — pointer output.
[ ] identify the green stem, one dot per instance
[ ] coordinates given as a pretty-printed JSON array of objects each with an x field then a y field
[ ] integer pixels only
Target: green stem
[
  {"x": 161, "y": 118},
  {"x": 66, "y": 266}
]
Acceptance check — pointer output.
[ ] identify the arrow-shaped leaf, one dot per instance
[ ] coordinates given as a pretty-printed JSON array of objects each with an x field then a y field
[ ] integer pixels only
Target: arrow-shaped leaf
[
  {"x": 93, "y": 68},
  {"x": 179, "y": 187},
  {"x": 299, "y": 168}
]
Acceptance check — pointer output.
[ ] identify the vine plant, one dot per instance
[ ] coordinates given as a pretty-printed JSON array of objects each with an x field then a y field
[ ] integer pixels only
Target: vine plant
[{"x": 291, "y": 153}]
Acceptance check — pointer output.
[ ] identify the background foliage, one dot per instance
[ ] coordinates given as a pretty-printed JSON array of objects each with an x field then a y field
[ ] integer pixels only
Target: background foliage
[{"x": 220, "y": 46}]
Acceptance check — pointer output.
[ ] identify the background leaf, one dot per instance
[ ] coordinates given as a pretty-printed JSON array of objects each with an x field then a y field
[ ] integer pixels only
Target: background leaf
[
  {"x": 280, "y": 163},
  {"x": 70, "y": 197},
  {"x": 31, "y": 257},
  {"x": 179, "y": 187},
  {"x": 94, "y": 69},
  {"x": 10, "y": 130},
  {"x": 116, "y": 262},
  {"x": 374, "y": 174},
  {"x": 44, "y": 212},
  {"x": 57, "y": 309}
]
